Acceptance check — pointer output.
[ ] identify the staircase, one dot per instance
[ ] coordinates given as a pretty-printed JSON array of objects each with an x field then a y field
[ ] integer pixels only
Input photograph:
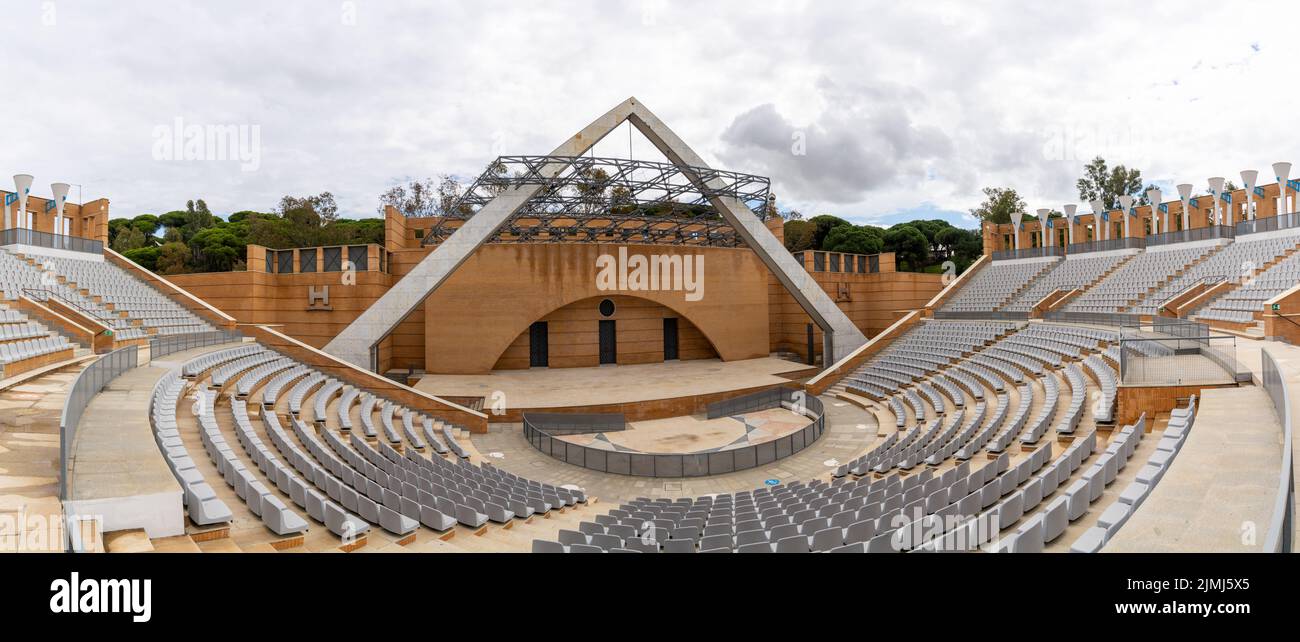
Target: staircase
[
  {"x": 1177, "y": 273},
  {"x": 1238, "y": 283},
  {"x": 1047, "y": 267}
]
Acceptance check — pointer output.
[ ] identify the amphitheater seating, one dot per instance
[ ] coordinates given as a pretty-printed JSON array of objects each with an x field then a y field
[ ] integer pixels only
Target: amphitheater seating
[
  {"x": 1241, "y": 304},
  {"x": 964, "y": 504},
  {"x": 1235, "y": 262},
  {"x": 994, "y": 285},
  {"x": 1066, "y": 275},
  {"x": 1133, "y": 280},
  {"x": 343, "y": 481},
  {"x": 1131, "y": 498},
  {"x": 101, "y": 290},
  {"x": 201, "y": 502}
]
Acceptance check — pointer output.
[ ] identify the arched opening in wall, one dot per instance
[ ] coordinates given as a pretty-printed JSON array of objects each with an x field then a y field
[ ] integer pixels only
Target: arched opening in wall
[{"x": 611, "y": 330}]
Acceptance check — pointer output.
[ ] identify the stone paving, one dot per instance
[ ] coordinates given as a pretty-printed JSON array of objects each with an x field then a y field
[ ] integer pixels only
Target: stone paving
[{"x": 29, "y": 461}]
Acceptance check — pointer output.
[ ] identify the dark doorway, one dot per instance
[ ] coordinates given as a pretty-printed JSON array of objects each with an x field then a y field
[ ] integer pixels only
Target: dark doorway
[
  {"x": 539, "y": 352},
  {"x": 670, "y": 339},
  {"x": 608, "y": 343}
]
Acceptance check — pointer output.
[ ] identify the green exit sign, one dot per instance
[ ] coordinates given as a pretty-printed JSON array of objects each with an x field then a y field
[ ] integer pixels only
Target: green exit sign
[{"x": 1277, "y": 307}]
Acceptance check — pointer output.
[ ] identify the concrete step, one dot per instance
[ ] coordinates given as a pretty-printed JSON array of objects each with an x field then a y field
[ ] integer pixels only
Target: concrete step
[{"x": 128, "y": 541}]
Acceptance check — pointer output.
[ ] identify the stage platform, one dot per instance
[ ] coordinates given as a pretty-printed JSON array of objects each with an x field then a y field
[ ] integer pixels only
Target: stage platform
[
  {"x": 617, "y": 388},
  {"x": 693, "y": 435}
]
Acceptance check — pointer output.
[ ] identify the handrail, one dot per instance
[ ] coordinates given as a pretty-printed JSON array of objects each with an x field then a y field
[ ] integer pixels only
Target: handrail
[
  {"x": 74, "y": 324},
  {"x": 1281, "y": 529},
  {"x": 51, "y": 294},
  {"x": 1208, "y": 281}
]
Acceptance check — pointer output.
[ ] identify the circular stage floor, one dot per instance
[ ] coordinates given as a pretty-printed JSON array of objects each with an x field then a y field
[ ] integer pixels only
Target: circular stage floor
[{"x": 692, "y": 435}]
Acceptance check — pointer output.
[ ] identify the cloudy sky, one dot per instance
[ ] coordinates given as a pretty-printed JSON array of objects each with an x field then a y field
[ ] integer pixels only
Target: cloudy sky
[{"x": 873, "y": 111}]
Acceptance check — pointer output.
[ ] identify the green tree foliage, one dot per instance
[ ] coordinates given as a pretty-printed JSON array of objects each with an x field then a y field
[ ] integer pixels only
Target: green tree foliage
[
  {"x": 196, "y": 240},
  {"x": 798, "y": 235},
  {"x": 147, "y": 224},
  {"x": 821, "y": 226},
  {"x": 1106, "y": 184},
  {"x": 853, "y": 239},
  {"x": 128, "y": 238},
  {"x": 146, "y": 257},
  {"x": 998, "y": 206},
  {"x": 909, "y": 245},
  {"x": 173, "y": 258}
]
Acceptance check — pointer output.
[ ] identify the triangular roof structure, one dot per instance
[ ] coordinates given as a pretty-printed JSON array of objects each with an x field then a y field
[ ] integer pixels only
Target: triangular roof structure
[{"x": 356, "y": 343}]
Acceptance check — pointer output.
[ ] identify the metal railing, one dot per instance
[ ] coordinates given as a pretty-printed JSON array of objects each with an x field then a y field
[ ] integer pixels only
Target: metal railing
[
  {"x": 1194, "y": 234},
  {"x": 1094, "y": 318},
  {"x": 1149, "y": 358},
  {"x": 19, "y": 236},
  {"x": 88, "y": 384},
  {"x": 1028, "y": 253},
  {"x": 43, "y": 296},
  {"x": 163, "y": 346},
  {"x": 1268, "y": 224},
  {"x": 666, "y": 465},
  {"x": 1127, "y": 243},
  {"x": 1182, "y": 328},
  {"x": 981, "y": 315},
  {"x": 561, "y": 424},
  {"x": 1281, "y": 529},
  {"x": 1208, "y": 282}
]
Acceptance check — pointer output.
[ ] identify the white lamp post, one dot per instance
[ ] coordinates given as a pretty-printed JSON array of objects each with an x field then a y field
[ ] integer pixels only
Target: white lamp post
[
  {"x": 1042, "y": 226},
  {"x": 1071, "y": 211},
  {"x": 1155, "y": 196},
  {"x": 1015, "y": 230},
  {"x": 60, "y": 191},
  {"x": 1185, "y": 193},
  {"x": 1216, "y": 191},
  {"x": 1283, "y": 173},
  {"x": 1126, "y": 205},
  {"x": 1248, "y": 179},
  {"x": 1100, "y": 228},
  {"x": 22, "y": 186}
]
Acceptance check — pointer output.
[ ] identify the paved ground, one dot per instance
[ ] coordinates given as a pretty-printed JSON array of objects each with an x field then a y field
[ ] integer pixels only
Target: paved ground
[
  {"x": 114, "y": 454},
  {"x": 29, "y": 462},
  {"x": 1218, "y": 496}
]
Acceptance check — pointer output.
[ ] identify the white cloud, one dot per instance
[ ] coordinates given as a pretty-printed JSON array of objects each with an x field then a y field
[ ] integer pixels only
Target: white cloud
[{"x": 904, "y": 107}]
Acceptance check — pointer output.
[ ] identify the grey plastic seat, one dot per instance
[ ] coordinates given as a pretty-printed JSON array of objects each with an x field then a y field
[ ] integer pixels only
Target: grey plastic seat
[
  {"x": 794, "y": 544},
  {"x": 279, "y": 518},
  {"x": 827, "y": 539},
  {"x": 1077, "y": 496},
  {"x": 1114, "y": 517},
  {"x": 1090, "y": 541},
  {"x": 1134, "y": 494},
  {"x": 341, "y": 523},
  {"x": 757, "y": 547},
  {"x": 544, "y": 546},
  {"x": 679, "y": 546},
  {"x": 1055, "y": 519},
  {"x": 883, "y": 543},
  {"x": 203, "y": 506}
]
